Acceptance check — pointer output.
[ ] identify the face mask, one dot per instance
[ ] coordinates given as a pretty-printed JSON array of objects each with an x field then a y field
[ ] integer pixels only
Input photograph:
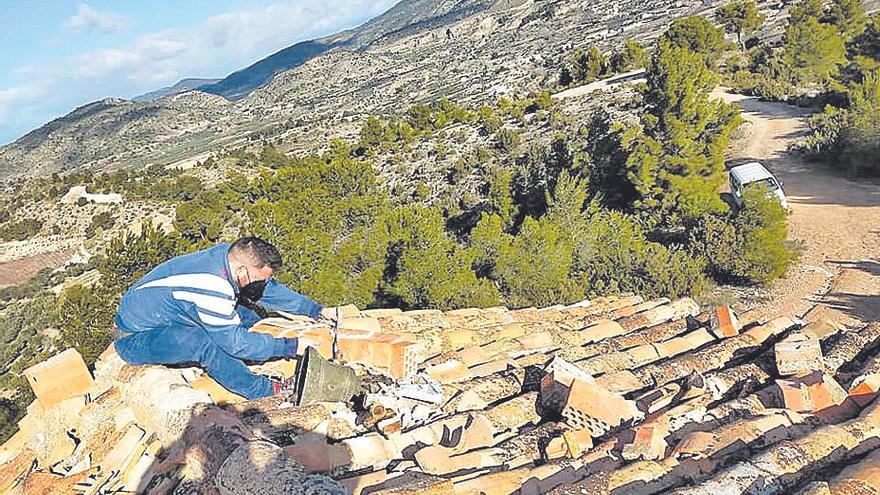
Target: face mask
[{"x": 253, "y": 291}]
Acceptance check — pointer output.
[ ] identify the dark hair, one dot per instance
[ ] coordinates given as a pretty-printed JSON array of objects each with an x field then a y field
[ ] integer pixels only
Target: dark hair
[{"x": 260, "y": 251}]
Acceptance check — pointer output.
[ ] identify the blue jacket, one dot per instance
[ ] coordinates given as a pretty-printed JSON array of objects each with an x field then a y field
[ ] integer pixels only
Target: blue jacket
[{"x": 197, "y": 290}]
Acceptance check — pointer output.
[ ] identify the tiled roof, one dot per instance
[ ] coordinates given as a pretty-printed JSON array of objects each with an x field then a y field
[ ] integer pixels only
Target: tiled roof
[{"x": 615, "y": 395}]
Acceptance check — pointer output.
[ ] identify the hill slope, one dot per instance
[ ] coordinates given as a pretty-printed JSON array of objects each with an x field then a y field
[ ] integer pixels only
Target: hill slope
[
  {"x": 240, "y": 83},
  {"x": 179, "y": 87},
  {"x": 472, "y": 51}
]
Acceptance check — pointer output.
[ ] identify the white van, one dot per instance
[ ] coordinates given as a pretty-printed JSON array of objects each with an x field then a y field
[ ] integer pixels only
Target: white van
[{"x": 753, "y": 173}]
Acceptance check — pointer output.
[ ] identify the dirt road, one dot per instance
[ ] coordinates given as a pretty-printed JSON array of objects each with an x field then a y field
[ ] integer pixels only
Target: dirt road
[{"x": 837, "y": 219}]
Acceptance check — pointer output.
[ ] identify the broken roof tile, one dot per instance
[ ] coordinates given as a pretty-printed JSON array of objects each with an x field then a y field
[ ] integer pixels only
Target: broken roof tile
[
  {"x": 798, "y": 354},
  {"x": 59, "y": 377},
  {"x": 724, "y": 322}
]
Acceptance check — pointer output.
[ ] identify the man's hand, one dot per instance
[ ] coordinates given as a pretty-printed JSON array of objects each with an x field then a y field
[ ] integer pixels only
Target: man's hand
[{"x": 292, "y": 348}]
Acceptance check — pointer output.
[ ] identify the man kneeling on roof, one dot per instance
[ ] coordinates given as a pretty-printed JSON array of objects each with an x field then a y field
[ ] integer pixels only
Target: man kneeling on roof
[{"x": 195, "y": 308}]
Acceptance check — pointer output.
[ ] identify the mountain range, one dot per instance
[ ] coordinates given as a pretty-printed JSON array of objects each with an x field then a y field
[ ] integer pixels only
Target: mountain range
[{"x": 471, "y": 51}]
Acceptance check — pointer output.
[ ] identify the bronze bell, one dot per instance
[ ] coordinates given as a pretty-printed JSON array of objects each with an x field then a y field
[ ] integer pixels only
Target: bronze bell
[{"x": 319, "y": 380}]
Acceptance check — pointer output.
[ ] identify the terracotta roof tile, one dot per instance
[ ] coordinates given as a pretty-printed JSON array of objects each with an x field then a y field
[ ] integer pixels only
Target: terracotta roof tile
[{"x": 678, "y": 404}]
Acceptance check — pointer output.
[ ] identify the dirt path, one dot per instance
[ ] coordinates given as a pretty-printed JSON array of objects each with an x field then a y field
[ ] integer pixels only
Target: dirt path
[{"x": 837, "y": 219}]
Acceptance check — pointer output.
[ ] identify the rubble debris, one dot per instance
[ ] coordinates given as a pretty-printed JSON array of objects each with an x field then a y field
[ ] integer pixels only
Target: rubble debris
[
  {"x": 798, "y": 354},
  {"x": 647, "y": 441},
  {"x": 811, "y": 393},
  {"x": 724, "y": 322},
  {"x": 574, "y": 394},
  {"x": 260, "y": 467},
  {"x": 577, "y": 442}
]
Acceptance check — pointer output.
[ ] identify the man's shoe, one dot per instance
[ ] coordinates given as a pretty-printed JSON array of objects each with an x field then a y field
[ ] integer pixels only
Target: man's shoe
[{"x": 285, "y": 388}]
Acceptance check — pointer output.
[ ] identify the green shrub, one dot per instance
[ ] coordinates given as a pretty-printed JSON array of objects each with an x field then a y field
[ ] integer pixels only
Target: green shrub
[
  {"x": 84, "y": 317},
  {"x": 850, "y": 138},
  {"x": 21, "y": 230},
  {"x": 507, "y": 140},
  {"x": 632, "y": 56},
  {"x": 10, "y": 414},
  {"x": 698, "y": 35},
  {"x": 129, "y": 257},
  {"x": 813, "y": 50},
  {"x": 762, "y": 230},
  {"x": 534, "y": 267},
  {"x": 203, "y": 220},
  {"x": 588, "y": 65},
  {"x": 489, "y": 119},
  {"x": 425, "y": 268},
  {"x": 614, "y": 255},
  {"x": 101, "y": 221},
  {"x": 740, "y": 17},
  {"x": 752, "y": 246}
]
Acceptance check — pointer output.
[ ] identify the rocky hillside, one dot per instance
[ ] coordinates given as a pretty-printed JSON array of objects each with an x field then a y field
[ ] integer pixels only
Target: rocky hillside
[
  {"x": 180, "y": 87},
  {"x": 408, "y": 16},
  {"x": 470, "y": 51}
]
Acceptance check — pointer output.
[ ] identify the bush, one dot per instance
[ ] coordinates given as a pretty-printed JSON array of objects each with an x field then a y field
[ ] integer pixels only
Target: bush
[
  {"x": 84, "y": 317},
  {"x": 632, "y": 56},
  {"x": 10, "y": 414},
  {"x": 752, "y": 246},
  {"x": 740, "y": 17},
  {"x": 850, "y": 137},
  {"x": 534, "y": 267},
  {"x": 204, "y": 220},
  {"x": 615, "y": 256},
  {"x": 101, "y": 221},
  {"x": 21, "y": 230},
  {"x": 507, "y": 140},
  {"x": 129, "y": 257},
  {"x": 697, "y": 34},
  {"x": 489, "y": 119},
  {"x": 813, "y": 50},
  {"x": 762, "y": 231},
  {"x": 588, "y": 65},
  {"x": 425, "y": 268}
]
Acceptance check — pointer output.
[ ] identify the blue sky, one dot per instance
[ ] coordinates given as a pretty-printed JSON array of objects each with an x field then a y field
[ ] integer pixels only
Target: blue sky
[{"x": 56, "y": 55}]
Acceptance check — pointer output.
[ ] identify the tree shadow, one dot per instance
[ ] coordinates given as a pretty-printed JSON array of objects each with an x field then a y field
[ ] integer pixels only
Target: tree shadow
[
  {"x": 862, "y": 307},
  {"x": 240, "y": 449}
]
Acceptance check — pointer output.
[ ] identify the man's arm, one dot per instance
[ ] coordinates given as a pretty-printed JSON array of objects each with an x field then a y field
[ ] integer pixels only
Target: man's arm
[
  {"x": 278, "y": 296},
  {"x": 235, "y": 339}
]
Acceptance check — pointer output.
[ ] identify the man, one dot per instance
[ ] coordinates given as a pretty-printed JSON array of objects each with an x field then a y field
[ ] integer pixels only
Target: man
[{"x": 190, "y": 310}]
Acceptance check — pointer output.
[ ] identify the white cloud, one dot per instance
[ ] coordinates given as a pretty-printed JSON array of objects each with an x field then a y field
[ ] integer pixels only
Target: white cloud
[
  {"x": 89, "y": 19},
  {"x": 217, "y": 46},
  {"x": 15, "y": 96},
  {"x": 221, "y": 43}
]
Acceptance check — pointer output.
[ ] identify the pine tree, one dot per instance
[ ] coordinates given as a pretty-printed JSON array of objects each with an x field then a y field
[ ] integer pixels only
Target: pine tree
[
  {"x": 534, "y": 267},
  {"x": 589, "y": 65},
  {"x": 698, "y": 35},
  {"x": 632, "y": 56},
  {"x": 848, "y": 16},
  {"x": 677, "y": 166},
  {"x": 814, "y": 50},
  {"x": 425, "y": 268},
  {"x": 806, "y": 9},
  {"x": 764, "y": 252},
  {"x": 740, "y": 17},
  {"x": 861, "y": 136}
]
